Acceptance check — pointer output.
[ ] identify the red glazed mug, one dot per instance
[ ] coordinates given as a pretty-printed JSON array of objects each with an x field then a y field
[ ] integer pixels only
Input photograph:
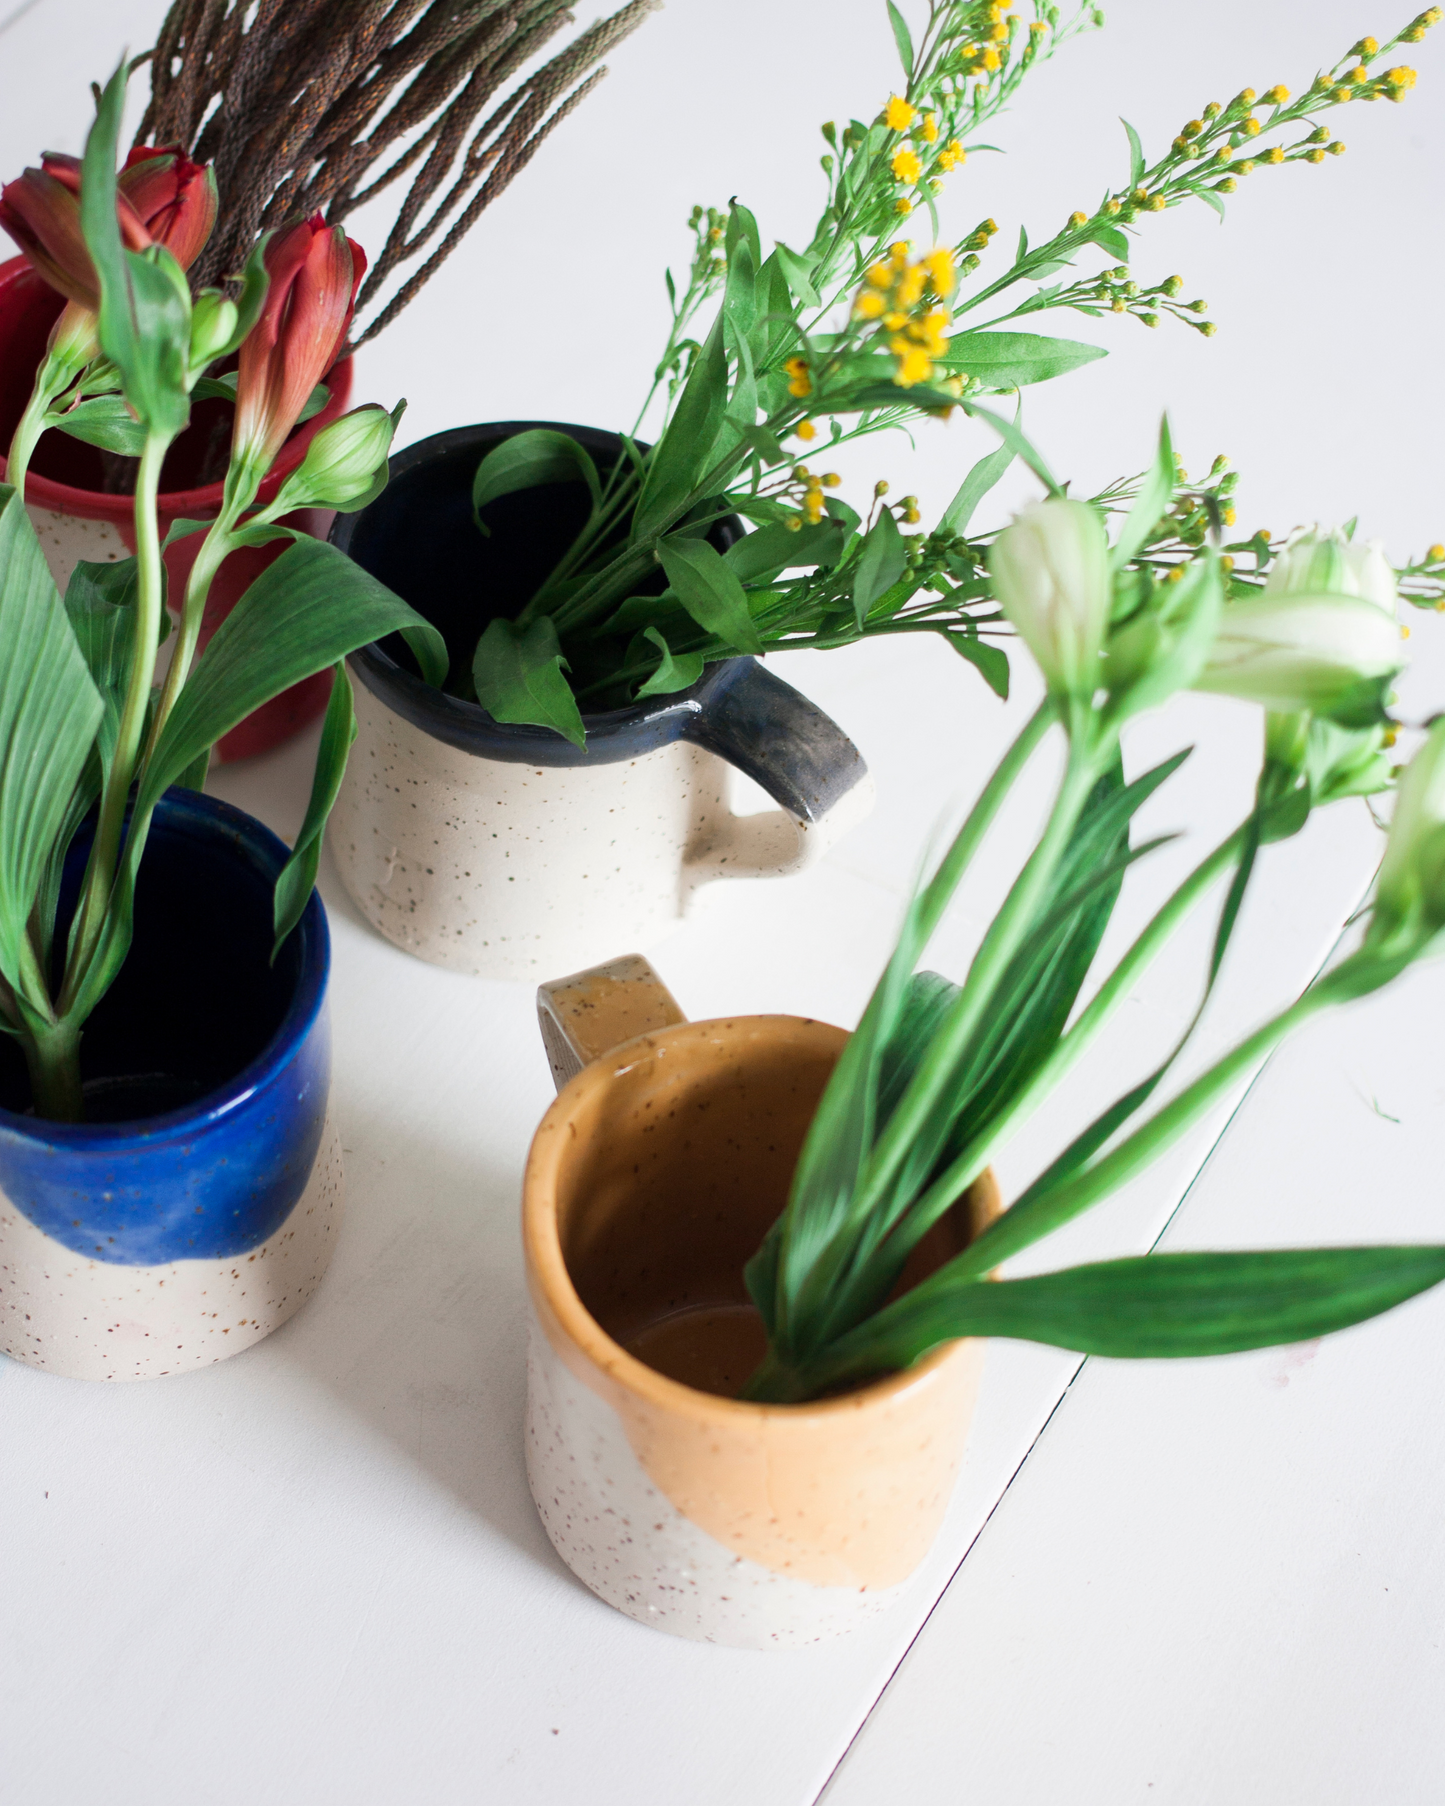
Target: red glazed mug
[{"x": 76, "y": 519}]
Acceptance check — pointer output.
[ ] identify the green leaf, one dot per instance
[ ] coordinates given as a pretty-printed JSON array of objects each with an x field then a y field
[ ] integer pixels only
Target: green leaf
[
  {"x": 680, "y": 458},
  {"x": 528, "y": 459},
  {"x": 518, "y": 673},
  {"x": 1011, "y": 360},
  {"x": 316, "y": 403},
  {"x": 1013, "y": 437},
  {"x": 1136, "y": 155},
  {"x": 1207, "y": 194},
  {"x": 50, "y": 711},
  {"x": 709, "y": 590},
  {"x": 1156, "y": 1306},
  {"x": 742, "y": 229},
  {"x": 799, "y": 273},
  {"x": 901, "y": 38},
  {"x": 1112, "y": 240},
  {"x": 100, "y": 605},
  {"x": 675, "y": 672},
  {"x": 144, "y": 324},
  {"x": 740, "y": 304},
  {"x": 183, "y": 529},
  {"x": 298, "y": 875},
  {"x": 975, "y": 486},
  {"x": 216, "y": 388},
  {"x": 758, "y": 557},
  {"x": 305, "y": 612},
  {"x": 991, "y": 661},
  {"x": 105, "y": 421},
  {"x": 1149, "y": 506},
  {"x": 880, "y": 563}
]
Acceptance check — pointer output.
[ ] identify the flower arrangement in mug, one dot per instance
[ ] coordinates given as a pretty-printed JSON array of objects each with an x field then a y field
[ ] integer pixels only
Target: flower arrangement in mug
[
  {"x": 295, "y": 129},
  {"x": 854, "y": 335},
  {"x": 939, "y": 1075},
  {"x": 85, "y": 732}
]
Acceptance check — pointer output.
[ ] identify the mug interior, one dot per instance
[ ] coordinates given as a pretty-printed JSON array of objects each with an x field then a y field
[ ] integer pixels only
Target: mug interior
[
  {"x": 197, "y": 999},
  {"x": 420, "y": 539},
  {"x": 670, "y": 1186}
]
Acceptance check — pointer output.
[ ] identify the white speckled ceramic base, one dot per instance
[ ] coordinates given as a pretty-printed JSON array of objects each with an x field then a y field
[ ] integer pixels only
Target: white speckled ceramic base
[
  {"x": 515, "y": 871},
  {"x": 635, "y": 1549},
  {"x": 97, "y": 1320},
  {"x": 65, "y": 541}
]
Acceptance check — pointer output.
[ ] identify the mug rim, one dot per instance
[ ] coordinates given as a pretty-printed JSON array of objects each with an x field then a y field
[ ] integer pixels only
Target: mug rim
[
  {"x": 209, "y": 815},
  {"x": 550, "y": 1280},
  {"x": 467, "y": 725}
]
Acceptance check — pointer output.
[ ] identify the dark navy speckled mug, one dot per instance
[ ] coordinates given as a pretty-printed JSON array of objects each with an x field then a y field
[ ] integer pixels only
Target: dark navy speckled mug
[{"x": 506, "y": 850}]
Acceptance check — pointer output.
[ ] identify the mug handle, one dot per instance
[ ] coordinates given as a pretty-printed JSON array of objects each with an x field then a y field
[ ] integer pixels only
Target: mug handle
[
  {"x": 588, "y": 1013},
  {"x": 804, "y": 761}
]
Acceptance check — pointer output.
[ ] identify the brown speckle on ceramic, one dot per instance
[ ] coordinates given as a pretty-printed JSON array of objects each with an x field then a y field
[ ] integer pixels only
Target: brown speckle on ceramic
[
  {"x": 66, "y": 541},
  {"x": 98, "y": 1320},
  {"x": 631, "y": 1545}
]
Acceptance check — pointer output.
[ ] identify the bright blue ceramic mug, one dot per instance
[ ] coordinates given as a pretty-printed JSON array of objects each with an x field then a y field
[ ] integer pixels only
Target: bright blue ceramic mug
[{"x": 196, "y": 1207}]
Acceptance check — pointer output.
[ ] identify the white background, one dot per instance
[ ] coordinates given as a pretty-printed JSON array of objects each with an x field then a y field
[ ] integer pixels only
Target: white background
[{"x": 314, "y": 1574}]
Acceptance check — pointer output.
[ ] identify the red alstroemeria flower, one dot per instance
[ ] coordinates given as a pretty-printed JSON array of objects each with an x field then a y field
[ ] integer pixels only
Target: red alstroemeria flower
[
  {"x": 315, "y": 270},
  {"x": 162, "y": 198}
]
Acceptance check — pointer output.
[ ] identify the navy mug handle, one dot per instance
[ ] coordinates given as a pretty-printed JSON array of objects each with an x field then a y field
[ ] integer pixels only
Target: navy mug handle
[{"x": 775, "y": 736}]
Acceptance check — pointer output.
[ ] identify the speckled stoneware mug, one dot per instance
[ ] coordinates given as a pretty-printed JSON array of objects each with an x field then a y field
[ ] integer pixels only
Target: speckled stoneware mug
[
  {"x": 650, "y": 1182},
  {"x": 505, "y": 850},
  {"x": 196, "y": 1208}
]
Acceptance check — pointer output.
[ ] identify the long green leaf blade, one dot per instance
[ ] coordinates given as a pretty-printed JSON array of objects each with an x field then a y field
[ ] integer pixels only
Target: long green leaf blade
[
  {"x": 298, "y": 875},
  {"x": 50, "y": 711},
  {"x": 1157, "y": 1306}
]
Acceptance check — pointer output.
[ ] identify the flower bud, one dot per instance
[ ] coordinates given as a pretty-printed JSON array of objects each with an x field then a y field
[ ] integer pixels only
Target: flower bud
[
  {"x": 1317, "y": 563},
  {"x": 1410, "y": 890},
  {"x": 1050, "y": 572},
  {"x": 345, "y": 464},
  {"x": 314, "y": 271},
  {"x": 214, "y": 320},
  {"x": 1329, "y": 654}
]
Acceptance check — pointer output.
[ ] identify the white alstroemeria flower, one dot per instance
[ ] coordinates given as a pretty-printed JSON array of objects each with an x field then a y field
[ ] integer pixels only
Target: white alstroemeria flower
[
  {"x": 1411, "y": 884},
  {"x": 1319, "y": 563},
  {"x": 1290, "y": 652},
  {"x": 1050, "y": 572}
]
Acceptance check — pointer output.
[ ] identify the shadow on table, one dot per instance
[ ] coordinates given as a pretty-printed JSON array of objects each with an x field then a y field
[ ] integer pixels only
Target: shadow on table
[{"x": 420, "y": 1327}]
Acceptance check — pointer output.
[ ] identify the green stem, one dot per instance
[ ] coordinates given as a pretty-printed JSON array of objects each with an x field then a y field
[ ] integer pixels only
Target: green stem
[
  {"x": 53, "y": 1061},
  {"x": 54, "y": 376},
  {"x": 961, "y": 1173},
  {"x": 105, "y": 848},
  {"x": 833, "y": 1260},
  {"x": 1020, "y": 1228},
  {"x": 775, "y": 1382},
  {"x": 1005, "y": 934}
]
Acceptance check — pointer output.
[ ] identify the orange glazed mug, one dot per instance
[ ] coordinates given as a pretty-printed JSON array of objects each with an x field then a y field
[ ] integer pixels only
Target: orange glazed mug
[{"x": 651, "y": 1181}]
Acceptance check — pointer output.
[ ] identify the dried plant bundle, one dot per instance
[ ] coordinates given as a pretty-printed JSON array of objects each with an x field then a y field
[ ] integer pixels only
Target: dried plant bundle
[{"x": 297, "y": 101}]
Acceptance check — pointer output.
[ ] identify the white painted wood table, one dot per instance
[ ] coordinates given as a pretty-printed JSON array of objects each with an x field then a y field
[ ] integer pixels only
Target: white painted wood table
[{"x": 314, "y": 1574}]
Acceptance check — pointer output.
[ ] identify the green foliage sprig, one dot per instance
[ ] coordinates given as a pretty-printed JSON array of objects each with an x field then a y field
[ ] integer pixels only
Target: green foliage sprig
[
  {"x": 938, "y": 1076},
  {"x": 854, "y": 335}
]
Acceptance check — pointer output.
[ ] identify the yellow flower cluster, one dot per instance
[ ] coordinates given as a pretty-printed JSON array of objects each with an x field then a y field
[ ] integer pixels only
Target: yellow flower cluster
[
  {"x": 813, "y": 487},
  {"x": 800, "y": 383},
  {"x": 907, "y": 165},
  {"x": 906, "y": 299}
]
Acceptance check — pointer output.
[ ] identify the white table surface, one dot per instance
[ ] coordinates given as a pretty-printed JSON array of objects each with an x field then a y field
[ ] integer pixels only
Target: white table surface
[{"x": 314, "y": 1574}]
